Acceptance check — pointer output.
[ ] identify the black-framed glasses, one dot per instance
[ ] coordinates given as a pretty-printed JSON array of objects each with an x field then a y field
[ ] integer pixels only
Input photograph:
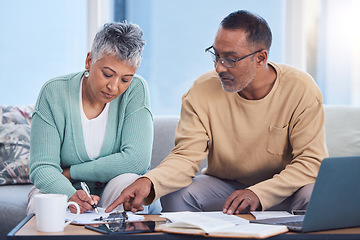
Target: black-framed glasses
[{"x": 225, "y": 61}]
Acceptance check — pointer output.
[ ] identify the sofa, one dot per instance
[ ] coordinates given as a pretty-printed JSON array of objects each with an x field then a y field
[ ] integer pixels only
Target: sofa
[{"x": 342, "y": 130}]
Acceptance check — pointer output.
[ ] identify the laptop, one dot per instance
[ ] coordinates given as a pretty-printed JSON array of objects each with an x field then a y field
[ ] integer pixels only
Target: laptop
[{"x": 335, "y": 200}]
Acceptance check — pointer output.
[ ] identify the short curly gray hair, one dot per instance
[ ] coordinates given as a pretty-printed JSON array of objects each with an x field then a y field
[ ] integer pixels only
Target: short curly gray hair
[{"x": 122, "y": 39}]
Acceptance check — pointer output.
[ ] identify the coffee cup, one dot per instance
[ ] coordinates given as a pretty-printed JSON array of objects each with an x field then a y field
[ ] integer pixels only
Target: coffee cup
[{"x": 50, "y": 212}]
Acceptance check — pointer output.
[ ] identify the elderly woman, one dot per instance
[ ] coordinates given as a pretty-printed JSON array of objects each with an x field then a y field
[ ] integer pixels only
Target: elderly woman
[{"x": 94, "y": 126}]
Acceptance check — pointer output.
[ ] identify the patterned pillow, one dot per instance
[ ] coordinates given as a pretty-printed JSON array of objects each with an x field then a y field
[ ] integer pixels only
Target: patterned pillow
[{"x": 15, "y": 144}]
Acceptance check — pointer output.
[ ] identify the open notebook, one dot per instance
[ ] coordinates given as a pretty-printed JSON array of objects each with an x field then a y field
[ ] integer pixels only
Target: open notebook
[
  {"x": 335, "y": 200},
  {"x": 216, "y": 224}
]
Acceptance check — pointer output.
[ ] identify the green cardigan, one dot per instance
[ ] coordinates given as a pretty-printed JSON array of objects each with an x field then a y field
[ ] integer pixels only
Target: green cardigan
[{"x": 57, "y": 138}]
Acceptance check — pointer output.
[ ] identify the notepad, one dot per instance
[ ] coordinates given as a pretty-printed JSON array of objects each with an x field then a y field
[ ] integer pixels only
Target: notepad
[{"x": 90, "y": 216}]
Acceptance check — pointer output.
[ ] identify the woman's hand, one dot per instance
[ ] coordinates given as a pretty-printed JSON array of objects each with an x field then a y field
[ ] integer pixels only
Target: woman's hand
[{"x": 85, "y": 203}]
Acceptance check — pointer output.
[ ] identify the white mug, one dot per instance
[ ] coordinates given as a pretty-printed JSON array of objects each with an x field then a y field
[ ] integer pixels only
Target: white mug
[{"x": 50, "y": 212}]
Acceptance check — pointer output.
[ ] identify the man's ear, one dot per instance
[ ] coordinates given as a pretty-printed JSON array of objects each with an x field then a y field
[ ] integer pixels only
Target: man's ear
[
  {"x": 262, "y": 57},
  {"x": 88, "y": 61}
]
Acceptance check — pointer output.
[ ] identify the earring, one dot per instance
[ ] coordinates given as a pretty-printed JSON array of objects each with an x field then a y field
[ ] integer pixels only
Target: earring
[{"x": 86, "y": 74}]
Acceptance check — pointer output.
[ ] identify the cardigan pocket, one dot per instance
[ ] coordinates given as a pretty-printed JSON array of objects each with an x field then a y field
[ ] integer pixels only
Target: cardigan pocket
[{"x": 278, "y": 140}]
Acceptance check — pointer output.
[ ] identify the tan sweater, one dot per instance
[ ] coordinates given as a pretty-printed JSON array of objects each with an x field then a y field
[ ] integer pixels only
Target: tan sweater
[{"x": 275, "y": 144}]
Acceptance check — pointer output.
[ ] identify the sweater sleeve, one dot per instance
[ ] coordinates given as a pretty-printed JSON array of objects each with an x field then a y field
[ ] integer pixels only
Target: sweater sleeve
[
  {"x": 307, "y": 139},
  {"x": 135, "y": 144},
  {"x": 45, "y": 163}
]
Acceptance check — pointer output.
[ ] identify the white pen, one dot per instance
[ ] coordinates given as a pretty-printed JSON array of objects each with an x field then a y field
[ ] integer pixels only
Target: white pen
[{"x": 86, "y": 189}]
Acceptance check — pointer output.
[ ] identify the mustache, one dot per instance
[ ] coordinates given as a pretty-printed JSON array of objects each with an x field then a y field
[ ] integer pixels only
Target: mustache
[{"x": 225, "y": 75}]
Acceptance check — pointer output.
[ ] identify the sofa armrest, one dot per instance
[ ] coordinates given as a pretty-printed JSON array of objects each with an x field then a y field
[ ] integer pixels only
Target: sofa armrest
[{"x": 342, "y": 130}]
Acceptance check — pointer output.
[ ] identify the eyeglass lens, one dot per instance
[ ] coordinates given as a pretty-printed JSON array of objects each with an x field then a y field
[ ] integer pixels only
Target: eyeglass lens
[{"x": 226, "y": 62}]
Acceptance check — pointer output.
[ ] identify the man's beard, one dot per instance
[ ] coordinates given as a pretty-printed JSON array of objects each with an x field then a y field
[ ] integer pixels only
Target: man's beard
[{"x": 232, "y": 86}]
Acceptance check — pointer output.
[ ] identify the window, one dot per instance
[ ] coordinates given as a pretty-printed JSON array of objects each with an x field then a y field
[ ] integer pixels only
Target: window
[
  {"x": 318, "y": 36},
  {"x": 338, "y": 64},
  {"x": 177, "y": 33},
  {"x": 38, "y": 44},
  {"x": 323, "y": 39}
]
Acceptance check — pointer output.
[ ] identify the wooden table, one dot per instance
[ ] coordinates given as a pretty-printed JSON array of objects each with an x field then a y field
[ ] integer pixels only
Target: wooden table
[{"x": 26, "y": 230}]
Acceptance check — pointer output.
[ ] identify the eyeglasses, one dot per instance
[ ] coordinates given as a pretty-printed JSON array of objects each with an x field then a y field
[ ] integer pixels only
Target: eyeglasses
[{"x": 225, "y": 61}]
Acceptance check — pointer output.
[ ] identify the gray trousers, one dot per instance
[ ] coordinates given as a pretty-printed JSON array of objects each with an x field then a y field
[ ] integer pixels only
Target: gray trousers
[
  {"x": 111, "y": 191},
  {"x": 207, "y": 193}
]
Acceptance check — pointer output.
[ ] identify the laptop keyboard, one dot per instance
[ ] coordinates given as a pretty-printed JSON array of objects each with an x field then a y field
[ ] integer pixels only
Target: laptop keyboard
[{"x": 294, "y": 223}]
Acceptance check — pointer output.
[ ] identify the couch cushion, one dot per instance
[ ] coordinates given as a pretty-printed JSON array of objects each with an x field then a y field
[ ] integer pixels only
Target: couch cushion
[
  {"x": 14, "y": 144},
  {"x": 342, "y": 130},
  {"x": 164, "y": 138},
  {"x": 13, "y": 202}
]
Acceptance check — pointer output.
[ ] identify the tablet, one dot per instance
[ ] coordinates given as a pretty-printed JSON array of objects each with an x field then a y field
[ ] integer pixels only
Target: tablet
[{"x": 123, "y": 227}]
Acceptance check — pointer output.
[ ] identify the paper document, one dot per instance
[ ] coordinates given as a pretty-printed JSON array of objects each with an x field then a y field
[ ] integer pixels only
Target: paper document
[
  {"x": 207, "y": 221},
  {"x": 270, "y": 214},
  {"x": 196, "y": 216},
  {"x": 89, "y": 216},
  {"x": 230, "y": 218}
]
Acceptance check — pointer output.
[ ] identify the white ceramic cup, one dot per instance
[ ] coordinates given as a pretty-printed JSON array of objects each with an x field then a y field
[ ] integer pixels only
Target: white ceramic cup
[{"x": 50, "y": 212}]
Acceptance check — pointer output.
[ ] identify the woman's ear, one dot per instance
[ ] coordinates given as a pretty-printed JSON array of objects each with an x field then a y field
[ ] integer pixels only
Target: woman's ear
[{"x": 88, "y": 61}]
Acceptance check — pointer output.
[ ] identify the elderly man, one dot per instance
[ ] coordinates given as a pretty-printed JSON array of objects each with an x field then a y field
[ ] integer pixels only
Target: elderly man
[{"x": 260, "y": 124}]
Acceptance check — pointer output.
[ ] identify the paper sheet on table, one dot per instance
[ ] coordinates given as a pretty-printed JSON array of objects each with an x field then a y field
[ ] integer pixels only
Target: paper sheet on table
[
  {"x": 180, "y": 216},
  {"x": 88, "y": 217},
  {"x": 270, "y": 214}
]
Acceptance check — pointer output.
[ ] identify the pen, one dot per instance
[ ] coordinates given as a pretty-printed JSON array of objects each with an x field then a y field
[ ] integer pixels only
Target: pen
[{"x": 85, "y": 187}]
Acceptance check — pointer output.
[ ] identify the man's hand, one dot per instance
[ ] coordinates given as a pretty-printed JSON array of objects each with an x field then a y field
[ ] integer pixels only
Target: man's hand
[
  {"x": 239, "y": 200},
  {"x": 85, "y": 203},
  {"x": 133, "y": 196}
]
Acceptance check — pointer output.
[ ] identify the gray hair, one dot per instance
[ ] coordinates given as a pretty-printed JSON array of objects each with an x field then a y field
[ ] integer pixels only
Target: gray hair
[{"x": 122, "y": 39}]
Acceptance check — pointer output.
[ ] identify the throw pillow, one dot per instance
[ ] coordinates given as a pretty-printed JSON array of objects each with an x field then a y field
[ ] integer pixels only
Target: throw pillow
[{"x": 15, "y": 144}]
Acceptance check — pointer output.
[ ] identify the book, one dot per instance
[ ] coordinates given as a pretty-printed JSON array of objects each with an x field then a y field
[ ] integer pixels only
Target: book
[{"x": 217, "y": 224}]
